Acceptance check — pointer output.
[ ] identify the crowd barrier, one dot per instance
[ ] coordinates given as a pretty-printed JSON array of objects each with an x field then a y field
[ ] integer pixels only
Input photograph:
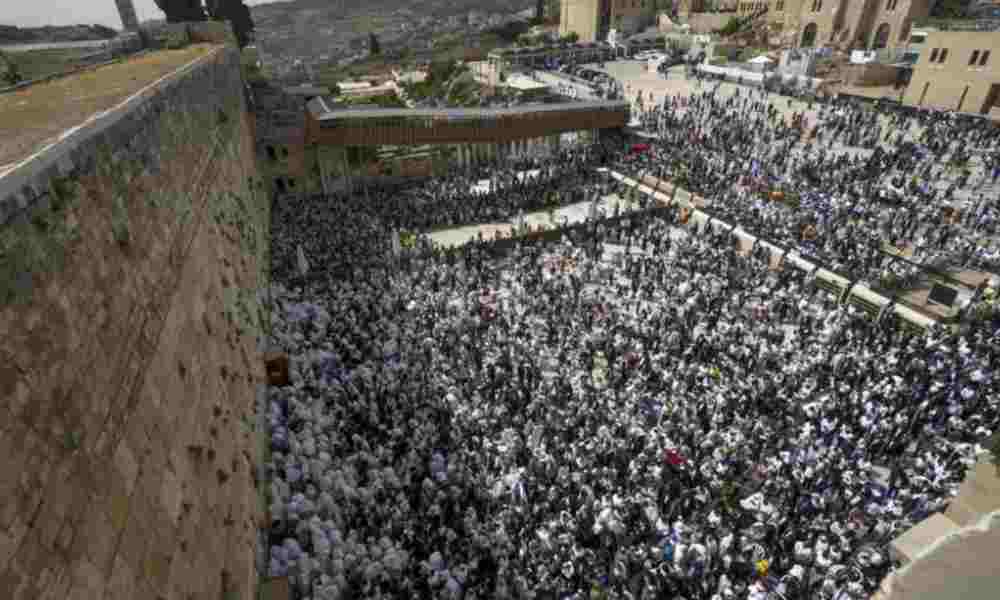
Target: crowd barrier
[{"x": 846, "y": 290}]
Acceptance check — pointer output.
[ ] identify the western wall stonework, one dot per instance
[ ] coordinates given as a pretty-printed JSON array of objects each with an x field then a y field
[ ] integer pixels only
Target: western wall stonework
[{"x": 131, "y": 256}]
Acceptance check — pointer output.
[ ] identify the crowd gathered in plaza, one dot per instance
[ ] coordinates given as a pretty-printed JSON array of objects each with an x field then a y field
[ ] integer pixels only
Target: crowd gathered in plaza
[
  {"x": 857, "y": 180},
  {"x": 635, "y": 408}
]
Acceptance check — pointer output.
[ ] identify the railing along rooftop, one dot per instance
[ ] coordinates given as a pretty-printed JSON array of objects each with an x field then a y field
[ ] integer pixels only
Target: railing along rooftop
[{"x": 320, "y": 110}]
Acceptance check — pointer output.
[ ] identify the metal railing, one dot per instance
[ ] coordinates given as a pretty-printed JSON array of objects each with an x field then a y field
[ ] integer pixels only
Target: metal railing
[
  {"x": 468, "y": 114},
  {"x": 958, "y": 24}
]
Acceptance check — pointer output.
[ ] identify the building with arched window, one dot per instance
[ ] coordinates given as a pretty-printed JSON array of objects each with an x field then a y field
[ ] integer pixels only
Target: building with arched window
[
  {"x": 591, "y": 20},
  {"x": 849, "y": 24},
  {"x": 958, "y": 70}
]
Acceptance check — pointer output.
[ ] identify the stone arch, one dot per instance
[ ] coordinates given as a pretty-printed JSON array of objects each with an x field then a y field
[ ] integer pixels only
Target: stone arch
[
  {"x": 809, "y": 36},
  {"x": 881, "y": 39}
]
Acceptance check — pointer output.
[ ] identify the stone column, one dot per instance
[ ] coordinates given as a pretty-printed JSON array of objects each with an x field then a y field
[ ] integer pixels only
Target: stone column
[{"x": 127, "y": 12}]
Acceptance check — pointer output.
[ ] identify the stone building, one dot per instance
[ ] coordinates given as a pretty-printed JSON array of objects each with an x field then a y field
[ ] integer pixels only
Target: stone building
[
  {"x": 592, "y": 19},
  {"x": 958, "y": 70},
  {"x": 868, "y": 24}
]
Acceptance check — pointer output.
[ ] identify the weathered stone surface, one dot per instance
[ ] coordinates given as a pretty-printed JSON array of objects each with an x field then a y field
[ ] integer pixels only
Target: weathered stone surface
[
  {"x": 979, "y": 494},
  {"x": 100, "y": 495},
  {"x": 959, "y": 565}
]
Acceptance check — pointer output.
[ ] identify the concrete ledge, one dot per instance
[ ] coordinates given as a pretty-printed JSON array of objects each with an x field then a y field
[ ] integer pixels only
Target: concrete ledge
[
  {"x": 960, "y": 565},
  {"x": 978, "y": 495},
  {"x": 912, "y": 544}
]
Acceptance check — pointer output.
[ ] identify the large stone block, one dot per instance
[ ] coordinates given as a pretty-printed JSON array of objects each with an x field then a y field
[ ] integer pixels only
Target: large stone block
[
  {"x": 912, "y": 543},
  {"x": 978, "y": 495}
]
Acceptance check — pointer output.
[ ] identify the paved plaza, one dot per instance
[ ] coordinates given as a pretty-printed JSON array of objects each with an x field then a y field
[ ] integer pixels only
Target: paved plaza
[{"x": 565, "y": 215}]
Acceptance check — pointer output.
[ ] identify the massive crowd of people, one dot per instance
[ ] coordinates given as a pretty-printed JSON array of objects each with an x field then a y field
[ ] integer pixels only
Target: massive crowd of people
[
  {"x": 859, "y": 179},
  {"x": 636, "y": 410}
]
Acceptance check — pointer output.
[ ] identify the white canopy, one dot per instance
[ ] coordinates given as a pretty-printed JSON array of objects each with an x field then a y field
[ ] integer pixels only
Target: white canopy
[{"x": 761, "y": 60}]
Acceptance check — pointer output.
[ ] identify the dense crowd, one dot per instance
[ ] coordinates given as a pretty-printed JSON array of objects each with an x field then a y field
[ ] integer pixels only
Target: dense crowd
[
  {"x": 555, "y": 423},
  {"x": 498, "y": 190},
  {"x": 637, "y": 410},
  {"x": 857, "y": 178}
]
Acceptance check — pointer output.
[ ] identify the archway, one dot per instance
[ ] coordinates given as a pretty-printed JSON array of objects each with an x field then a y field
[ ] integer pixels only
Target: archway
[
  {"x": 881, "y": 37},
  {"x": 809, "y": 36}
]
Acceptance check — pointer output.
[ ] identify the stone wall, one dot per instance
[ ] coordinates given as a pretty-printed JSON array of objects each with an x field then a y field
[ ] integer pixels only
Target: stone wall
[
  {"x": 871, "y": 75},
  {"x": 129, "y": 322}
]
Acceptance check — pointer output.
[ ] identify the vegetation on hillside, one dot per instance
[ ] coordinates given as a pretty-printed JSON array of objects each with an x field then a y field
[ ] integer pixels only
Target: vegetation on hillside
[
  {"x": 238, "y": 15},
  {"x": 50, "y": 34},
  {"x": 951, "y": 9},
  {"x": 383, "y": 101},
  {"x": 448, "y": 83},
  {"x": 36, "y": 64}
]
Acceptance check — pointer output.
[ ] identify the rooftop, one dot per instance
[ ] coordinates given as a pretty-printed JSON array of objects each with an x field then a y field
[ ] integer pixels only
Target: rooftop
[
  {"x": 35, "y": 116},
  {"x": 321, "y": 110}
]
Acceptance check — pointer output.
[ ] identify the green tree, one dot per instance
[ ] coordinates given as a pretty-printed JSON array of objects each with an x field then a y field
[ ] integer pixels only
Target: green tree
[
  {"x": 440, "y": 71},
  {"x": 238, "y": 15},
  {"x": 553, "y": 8},
  {"x": 571, "y": 37},
  {"x": 731, "y": 27},
  {"x": 10, "y": 73},
  {"x": 178, "y": 11},
  {"x": 951, "y": 9}
]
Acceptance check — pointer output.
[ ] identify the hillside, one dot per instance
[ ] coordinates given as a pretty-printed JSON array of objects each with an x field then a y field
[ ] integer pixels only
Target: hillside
[{"x": 70, "y": 33}]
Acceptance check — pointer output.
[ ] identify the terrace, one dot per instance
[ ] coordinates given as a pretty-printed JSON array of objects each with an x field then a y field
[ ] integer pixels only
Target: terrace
[{"x": 414, "y": 126}]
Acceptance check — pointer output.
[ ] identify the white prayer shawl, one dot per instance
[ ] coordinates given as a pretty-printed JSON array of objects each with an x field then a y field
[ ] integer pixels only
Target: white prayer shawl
[{"x": 303, "y": 264}]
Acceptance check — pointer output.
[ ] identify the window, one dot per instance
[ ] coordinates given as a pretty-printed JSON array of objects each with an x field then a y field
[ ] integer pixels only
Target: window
[
  {"x": 934, "y": 55},
  {"x": 985, "y": 56},
  {"x": 780, "y": 5},
  {"x": 974, "y": 58},
  {"x": 943, "y": 56}
]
